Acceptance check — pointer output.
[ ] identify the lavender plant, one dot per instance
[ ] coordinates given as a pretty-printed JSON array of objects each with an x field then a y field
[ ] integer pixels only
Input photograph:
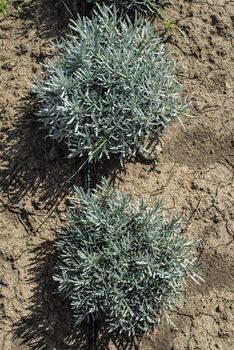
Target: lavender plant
[
  {"x": 145, "y": 6},
  {"x": 122, "y": 261},
  {"x": 111, "y": 86}
]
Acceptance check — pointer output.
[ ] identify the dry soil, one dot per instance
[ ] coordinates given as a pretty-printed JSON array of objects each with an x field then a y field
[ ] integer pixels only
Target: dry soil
[{"x": 194, "y": 175}]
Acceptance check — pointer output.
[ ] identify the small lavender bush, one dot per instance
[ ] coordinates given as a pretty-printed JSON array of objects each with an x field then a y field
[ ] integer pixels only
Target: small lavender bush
[
  {"x": 145, "y": 6},
  {"x": 122, "y": 261},
  {"x": 112, "y": 85}
]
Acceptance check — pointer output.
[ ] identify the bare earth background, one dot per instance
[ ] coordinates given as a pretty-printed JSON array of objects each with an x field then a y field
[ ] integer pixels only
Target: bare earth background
[{"x": 194, "y": 176}]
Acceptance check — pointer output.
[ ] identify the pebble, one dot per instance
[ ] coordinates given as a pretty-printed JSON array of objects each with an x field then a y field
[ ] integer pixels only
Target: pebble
[
  {"x": 194, "y": 185},
  {"x": 216, "y": 219},
  {"x": 22, "y": 49},
  {"x": 158, "y": 149},
  {"x": 220, "y": 308}
]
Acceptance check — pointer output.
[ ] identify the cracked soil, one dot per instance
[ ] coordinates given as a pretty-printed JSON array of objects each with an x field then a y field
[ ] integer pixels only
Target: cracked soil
[{"x": 194, "y": 176}]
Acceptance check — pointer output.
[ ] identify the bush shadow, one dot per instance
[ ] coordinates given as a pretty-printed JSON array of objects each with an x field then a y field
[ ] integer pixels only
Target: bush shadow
[
  {"x": 50, "y": 18},
  {"x": 49, "y": 323},
  {"x": 37, "y": 174},
  {"x": 120, "y": 342}
]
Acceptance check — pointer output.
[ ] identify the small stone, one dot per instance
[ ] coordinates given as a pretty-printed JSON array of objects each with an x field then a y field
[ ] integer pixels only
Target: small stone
[
  {"x": 219, "y": 308},
  {"x": 211, "y": 151},
  {"x": 194, "y": 185},
  {"x": 216, "y": 219},
  {"x": 22, "y": 49},
  {"x": 158, "y": 149},
  {"x": 228, "y": 85}
]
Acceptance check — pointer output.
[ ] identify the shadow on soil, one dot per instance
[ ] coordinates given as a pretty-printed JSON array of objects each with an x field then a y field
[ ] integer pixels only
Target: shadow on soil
[
  {"x": 39, "y": 167},
  {"x": 51, "y": 18},
  {"x": 49, "y": 324},
  {"x": 36, "y": 166}
]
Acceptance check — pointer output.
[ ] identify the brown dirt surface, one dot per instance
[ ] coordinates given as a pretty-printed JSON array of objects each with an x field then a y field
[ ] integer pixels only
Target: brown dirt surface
[{"x": 194, "y": 175}]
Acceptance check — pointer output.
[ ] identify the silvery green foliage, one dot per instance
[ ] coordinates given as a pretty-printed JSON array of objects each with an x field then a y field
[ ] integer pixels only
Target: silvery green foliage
[
  {"x": 122, "y": 261},
  {"x": 112, "y": 85},
  {"x": 148, "y": 6}
]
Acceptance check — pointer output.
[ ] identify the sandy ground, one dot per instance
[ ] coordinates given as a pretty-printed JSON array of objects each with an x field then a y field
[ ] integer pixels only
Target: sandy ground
[{"x": 194, "y": 175}]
